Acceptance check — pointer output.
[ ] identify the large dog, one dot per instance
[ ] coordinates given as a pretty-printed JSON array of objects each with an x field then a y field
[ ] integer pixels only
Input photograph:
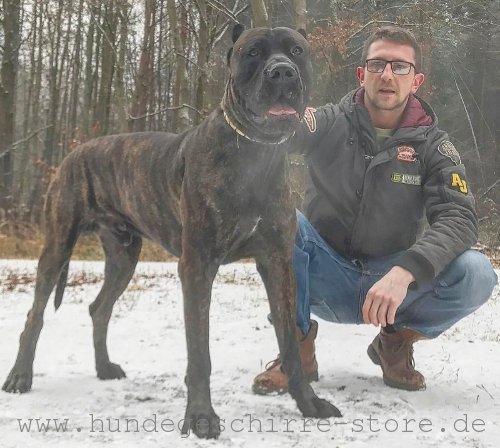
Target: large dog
[{"x": 211, "y": 195}]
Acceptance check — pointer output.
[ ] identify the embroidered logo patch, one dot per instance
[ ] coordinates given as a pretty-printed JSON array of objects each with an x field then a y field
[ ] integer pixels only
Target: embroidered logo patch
[
  {"x": 457, "y": 183},
  {"x": 409, "y": 179},
  {"x": 310, "y": 118},
  {"x": 448, "y": 150},
  {"x": 407, "y": 154}
]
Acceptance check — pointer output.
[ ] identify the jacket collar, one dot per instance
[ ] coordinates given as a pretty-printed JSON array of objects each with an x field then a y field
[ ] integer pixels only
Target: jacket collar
[{"x": 417, "y": 112}]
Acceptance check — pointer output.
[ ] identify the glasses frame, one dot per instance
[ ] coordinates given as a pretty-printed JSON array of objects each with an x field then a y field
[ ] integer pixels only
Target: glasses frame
[{"x": 392, "y": 67}]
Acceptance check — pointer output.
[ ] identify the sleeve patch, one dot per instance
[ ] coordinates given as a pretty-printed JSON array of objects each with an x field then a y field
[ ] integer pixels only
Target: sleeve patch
[
  {"x": 447, "y": 149},
  {"x": 458, "y": 183},
  {"x": 310, "y": 119}
]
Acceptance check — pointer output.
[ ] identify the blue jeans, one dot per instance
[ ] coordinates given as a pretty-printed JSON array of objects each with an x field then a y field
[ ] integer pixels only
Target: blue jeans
[{"x": 334, "y": 287}]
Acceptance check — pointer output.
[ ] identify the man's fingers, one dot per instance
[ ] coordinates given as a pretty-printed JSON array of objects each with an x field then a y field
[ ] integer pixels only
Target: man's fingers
[
  {"x": 391, "y": 313},
  {"x": 373, "y": 313},
  {"x": 382, "y": 314},
  {"x": 366, "y": 309}
]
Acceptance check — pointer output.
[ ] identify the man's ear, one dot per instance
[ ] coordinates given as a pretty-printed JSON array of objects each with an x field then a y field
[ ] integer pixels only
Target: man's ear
[
  {"x": 303, "y": 32},
  {"x": 417, "y": 82},
  {"x": 360, "y": 74},
  {"x": 237, "y": 30}
]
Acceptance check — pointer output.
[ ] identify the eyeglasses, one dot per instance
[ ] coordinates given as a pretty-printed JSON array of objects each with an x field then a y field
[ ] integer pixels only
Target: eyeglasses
[{"x": 397, "y": 67}]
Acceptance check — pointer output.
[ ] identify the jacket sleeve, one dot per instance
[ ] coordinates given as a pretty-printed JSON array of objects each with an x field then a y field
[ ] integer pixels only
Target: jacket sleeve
[
  {"x": 314, "y": 126},
  {"x": 450, "y": 210}
]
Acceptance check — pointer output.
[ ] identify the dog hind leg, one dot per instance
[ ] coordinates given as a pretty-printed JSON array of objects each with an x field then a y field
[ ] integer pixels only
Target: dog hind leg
[
  {"x": 55, "y": 256},
  {"x": 120, "y": 264}
]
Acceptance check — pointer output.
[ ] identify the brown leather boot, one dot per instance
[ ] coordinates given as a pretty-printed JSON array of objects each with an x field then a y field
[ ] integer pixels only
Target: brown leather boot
[
  {"x": 273, "y": 379},
  {"x": 394, "y": 353}
]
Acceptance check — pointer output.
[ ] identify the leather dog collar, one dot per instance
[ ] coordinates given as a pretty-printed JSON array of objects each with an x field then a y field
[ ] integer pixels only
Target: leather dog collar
[{"x": 254, "y": 140}]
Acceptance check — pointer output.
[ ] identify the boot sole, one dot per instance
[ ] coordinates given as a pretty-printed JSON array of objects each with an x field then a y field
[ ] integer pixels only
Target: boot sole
[
  {"x": 262, "y": 391},
  {"x": 375, "y": 358}
]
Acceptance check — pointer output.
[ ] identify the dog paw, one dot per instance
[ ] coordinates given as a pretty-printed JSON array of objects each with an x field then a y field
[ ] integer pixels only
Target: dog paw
[
  {"x": 325, "y": 409},
  {"x": 319, "y": 408},
  {"x": 18, "y": 381},
  {"x": 110, "y": 371},
  {"x": 205, "y": 425}
]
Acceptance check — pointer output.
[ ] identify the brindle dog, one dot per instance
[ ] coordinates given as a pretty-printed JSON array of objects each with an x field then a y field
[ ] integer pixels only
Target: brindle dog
[{"x": 211, "y": 195}]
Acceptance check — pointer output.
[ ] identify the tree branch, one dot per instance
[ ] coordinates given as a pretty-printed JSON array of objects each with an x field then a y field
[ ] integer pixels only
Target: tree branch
[
  {"x": 24, "y": 140},
  {"x": 489, "y": 189},
  {"x": 470, "y": 124},
  {"x": 131, "y": 117}
]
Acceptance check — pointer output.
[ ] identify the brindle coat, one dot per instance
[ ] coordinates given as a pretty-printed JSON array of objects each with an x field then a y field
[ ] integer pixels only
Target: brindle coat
[{"x": 208, "y": 195}]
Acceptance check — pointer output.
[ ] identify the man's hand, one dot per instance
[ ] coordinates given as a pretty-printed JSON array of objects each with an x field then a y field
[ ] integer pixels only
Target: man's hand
[{"x": 385, "y": 296}]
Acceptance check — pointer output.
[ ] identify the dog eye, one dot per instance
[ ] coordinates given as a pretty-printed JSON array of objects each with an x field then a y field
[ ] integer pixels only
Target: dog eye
[
  {"x": 297, "y": 50},
  {"x": 254, "y": 52}
]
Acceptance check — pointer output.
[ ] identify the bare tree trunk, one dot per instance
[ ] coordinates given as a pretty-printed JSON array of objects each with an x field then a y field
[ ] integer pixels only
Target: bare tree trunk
[
  {"x": 89, "y": 70},
  {"x": 29, "y": 105},
  {"x": 425, "y": 40},
  {"x": 108, "y": 59},
  {"x": 259, "y": 12},
  {"x": 8, "y": 76},
  {"x": 180, "y": 119},
  {"x": 159, "y": 75},
  {"x": 184, "y": 120},
  {"x": 144, "y": 80},
  {"x": 120, "y": 95},
  {"x": 64, "y": 88},
  {"x": 300, "y": 14},
  {"x": 76, "y": 74},
  {"x": 55, "y": 35},
  {"x": 203, "y": 56},
  {"x": 48, "y": 157}
]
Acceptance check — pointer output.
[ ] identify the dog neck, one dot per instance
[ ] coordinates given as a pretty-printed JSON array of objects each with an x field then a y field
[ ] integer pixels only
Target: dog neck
[{"x": 232, "y": 121}]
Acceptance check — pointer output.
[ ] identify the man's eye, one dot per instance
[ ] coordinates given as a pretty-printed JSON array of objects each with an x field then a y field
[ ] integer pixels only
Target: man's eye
[
  {"x": 254, "y": 52},
  {"x": 297, "y": 50}
]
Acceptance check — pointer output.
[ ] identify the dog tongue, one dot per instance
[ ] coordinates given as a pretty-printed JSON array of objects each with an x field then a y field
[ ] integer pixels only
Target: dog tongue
[{"x": 281, "y": 110}]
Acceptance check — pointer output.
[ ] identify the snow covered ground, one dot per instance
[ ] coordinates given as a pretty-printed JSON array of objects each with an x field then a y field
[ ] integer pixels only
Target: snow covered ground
[{"x": 460, "y": 408}]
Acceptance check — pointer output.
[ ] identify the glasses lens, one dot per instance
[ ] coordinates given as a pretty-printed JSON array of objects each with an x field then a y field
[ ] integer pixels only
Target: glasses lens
[
  {"x": 401, "y": 68},
  {"x": 376, "y": 65},
  {"x": 398, "y": 67}
]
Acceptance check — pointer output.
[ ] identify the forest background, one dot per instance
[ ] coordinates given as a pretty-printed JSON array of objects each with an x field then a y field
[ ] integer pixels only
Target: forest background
[{"x": 71, "y": 70}]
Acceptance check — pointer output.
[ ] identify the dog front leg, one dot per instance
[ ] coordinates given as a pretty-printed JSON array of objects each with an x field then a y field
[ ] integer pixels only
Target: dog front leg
[
  {"x": 197, "y": 276},
  {"x": 279, "y": 280}
]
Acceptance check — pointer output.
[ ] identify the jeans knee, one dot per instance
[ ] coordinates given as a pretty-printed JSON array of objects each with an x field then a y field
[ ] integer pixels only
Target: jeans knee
[
  {"x": 471, "y": 276},
  {"x": 303, "y": 229}
]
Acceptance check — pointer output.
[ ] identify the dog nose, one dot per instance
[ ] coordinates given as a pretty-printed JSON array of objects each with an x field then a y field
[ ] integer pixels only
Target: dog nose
[{"x": 281, "y": 72}]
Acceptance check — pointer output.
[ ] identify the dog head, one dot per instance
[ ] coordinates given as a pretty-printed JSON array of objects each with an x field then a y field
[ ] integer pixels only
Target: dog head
[{"x": 270, "y": 77}]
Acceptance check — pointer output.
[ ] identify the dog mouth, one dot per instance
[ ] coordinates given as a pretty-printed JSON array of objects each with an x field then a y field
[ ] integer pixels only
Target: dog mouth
[{"x": 280, "y": 111}]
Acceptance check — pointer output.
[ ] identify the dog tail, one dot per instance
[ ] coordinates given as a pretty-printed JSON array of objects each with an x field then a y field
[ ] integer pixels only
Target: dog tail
[{"x": 61, "y": 285}]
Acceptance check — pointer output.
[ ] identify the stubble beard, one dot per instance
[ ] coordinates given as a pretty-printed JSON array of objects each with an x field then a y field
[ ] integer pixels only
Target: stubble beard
[{"x": 381, "y": 105}]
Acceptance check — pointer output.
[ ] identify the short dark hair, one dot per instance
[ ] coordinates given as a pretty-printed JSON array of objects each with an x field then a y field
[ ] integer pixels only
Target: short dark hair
[{"x": 395, "y": 34}]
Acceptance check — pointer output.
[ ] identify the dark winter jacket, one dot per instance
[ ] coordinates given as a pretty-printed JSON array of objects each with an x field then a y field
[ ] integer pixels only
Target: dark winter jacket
[{"x": 367, "y": 201}]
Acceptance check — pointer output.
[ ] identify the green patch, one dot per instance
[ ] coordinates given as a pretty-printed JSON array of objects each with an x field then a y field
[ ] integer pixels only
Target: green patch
[{"x": 409, "y": 179}]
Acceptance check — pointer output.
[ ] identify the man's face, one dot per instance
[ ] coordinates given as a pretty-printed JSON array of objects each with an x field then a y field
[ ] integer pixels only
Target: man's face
[{"x": 386, "y": 91}]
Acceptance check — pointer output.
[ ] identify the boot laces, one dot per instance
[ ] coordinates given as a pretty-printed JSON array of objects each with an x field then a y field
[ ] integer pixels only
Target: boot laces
[
  {"x": 411, "y": 358},
  {"x": 406, "y": 346},
  {"x": 272, "y": 364}
]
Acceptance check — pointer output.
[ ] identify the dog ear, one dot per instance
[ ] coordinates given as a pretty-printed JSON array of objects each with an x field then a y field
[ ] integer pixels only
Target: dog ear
[
  {"x": 303, "y": 32},
  {"x": 237, "y": 30}
]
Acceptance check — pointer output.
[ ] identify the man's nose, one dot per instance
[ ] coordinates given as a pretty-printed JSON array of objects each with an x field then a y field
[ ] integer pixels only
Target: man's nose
[{"x": 387, "y": 73}]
